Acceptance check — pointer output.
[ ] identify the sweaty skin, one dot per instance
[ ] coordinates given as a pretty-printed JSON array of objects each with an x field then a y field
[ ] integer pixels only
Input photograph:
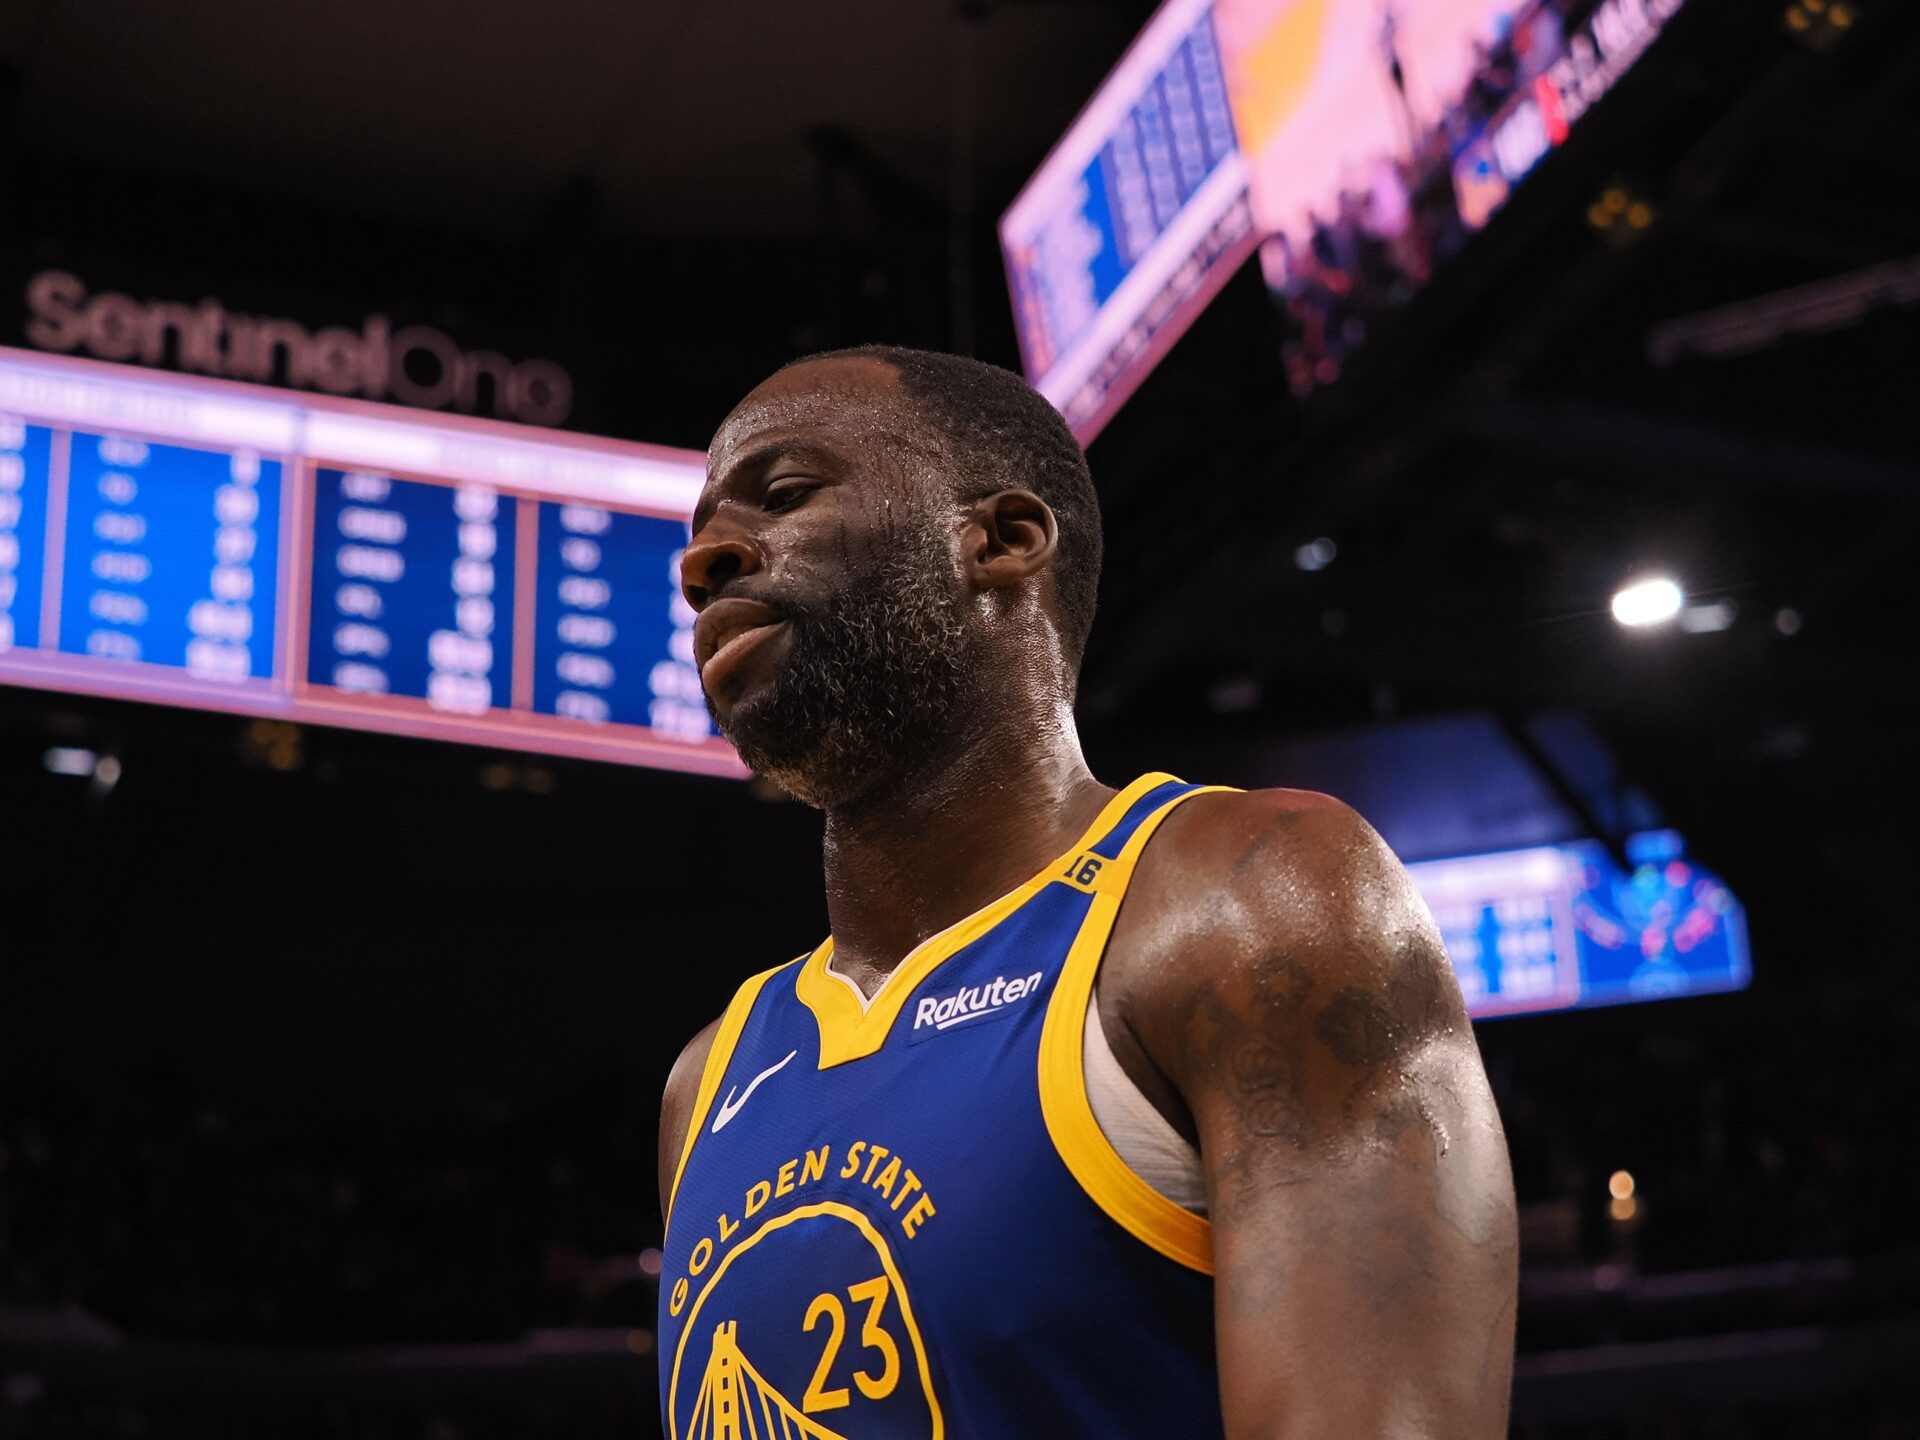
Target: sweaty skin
[{"x": 1273, "y": 984}]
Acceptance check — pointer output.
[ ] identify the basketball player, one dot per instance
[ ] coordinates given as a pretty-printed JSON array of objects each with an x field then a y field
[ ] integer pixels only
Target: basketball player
[{"x": 1149, "y": 1112}]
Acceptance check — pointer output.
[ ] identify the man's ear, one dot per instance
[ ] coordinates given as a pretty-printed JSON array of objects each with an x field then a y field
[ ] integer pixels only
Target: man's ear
[{"x": 1010, "y": 537}]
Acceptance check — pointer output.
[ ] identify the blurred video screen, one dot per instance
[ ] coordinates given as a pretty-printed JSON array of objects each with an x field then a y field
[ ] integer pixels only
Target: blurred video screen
[
  {"x": 1357, "y": 144},
  {"x": 1562, "y": 926}
]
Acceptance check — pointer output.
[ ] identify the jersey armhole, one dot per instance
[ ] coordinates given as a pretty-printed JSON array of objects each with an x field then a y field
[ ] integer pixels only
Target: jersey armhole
[
  {"x": 719, "y": 1056},
  {"x": 1083, "y": 1147}
]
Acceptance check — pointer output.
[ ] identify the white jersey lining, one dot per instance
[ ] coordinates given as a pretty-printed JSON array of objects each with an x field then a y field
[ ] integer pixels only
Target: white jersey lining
[{"x": 1140, "y": 1134}]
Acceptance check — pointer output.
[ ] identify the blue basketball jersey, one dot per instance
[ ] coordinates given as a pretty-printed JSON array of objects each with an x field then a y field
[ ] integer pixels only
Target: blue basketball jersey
[{"x": 900, "y": 1220}]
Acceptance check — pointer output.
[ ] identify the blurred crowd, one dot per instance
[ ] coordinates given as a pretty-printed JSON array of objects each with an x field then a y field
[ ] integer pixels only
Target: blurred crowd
[
  {"x": 168, "y": 1214},
  {"x": 1747, "y": 1138},
  {"x": 79, "y": 1413},
  {"x": 102, "y": 1418},
  {"x": 1380, "y": 242}
]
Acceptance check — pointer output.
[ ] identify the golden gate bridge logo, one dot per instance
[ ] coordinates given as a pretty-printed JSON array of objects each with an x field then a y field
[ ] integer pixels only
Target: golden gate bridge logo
[{"x": 736, "y": 1402}]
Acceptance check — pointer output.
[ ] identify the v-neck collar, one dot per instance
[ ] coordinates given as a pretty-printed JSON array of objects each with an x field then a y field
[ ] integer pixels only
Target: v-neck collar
[{"x": 851, "y": 1030}]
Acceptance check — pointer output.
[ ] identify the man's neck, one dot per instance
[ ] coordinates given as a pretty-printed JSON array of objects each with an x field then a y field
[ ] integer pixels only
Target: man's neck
[{"x": 914, "y": 857}]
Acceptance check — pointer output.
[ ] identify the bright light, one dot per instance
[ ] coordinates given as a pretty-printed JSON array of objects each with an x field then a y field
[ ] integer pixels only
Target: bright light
[
  {"x": 1707, "y": 619},
  {"x": 1648, "y": 602},
  {"x": 1620, "y": 1185},
  {"x": 1316, "y": 554},
  {"x": 62, "y": 760},
  {"x": 1623, "y": 1209}
]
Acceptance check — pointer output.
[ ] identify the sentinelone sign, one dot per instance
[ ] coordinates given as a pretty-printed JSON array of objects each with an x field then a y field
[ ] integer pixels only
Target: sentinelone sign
[{"x": 416, "y": 364}]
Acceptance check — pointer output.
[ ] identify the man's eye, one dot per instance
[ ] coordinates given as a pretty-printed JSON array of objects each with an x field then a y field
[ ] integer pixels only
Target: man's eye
[{"x": 785, "y": 497}]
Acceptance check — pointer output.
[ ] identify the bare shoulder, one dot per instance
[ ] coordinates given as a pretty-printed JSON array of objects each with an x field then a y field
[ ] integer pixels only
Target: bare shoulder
[
  {"x": 1246, "y": 870},
  {"x": 1228, "y": 835},
  {"x": 1284, "y": 913},
  {"x": 676, "y": 1104}
]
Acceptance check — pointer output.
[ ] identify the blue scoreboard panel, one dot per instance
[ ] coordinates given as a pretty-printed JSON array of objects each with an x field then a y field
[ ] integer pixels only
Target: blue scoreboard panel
[
  {"x": 1555, "y": 927},
  {"x": 23, "y": 521},
  {"x": 233, "y": 548},
  {"x": 162, "y": 549},
  {"x": 413, "y": 590},
  {"x": 1132, "y": 224},
  {"x": 598, "y": 564}
]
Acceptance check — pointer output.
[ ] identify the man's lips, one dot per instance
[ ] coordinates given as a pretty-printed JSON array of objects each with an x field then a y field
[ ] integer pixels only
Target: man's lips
[
  {"x": 726, "y": 630},
  {"x": 730, "y": 654}
]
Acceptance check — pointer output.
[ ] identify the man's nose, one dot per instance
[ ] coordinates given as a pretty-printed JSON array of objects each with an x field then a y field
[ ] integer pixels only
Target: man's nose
[{"x": 713, "y": 557}]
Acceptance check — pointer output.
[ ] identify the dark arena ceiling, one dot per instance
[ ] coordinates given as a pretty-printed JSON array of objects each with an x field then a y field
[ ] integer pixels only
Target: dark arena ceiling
[{"x": 688, "y": 119}]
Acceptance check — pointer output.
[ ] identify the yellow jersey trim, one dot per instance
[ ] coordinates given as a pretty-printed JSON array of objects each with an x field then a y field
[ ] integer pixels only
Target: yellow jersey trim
[
  {"x": 1109, "y": 1181},
  {"x": 732, "y": 1022},
  {"x": 873, "y": 1237},
  {"x": 850, "y": 1032}
]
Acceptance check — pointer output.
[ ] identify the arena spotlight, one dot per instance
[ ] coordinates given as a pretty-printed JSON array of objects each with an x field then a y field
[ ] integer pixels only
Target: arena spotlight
[
  {"x": 1653, "y": 601},
  {"x": 1709, "y": 619},
  {"x": 1315, "y": 554}
]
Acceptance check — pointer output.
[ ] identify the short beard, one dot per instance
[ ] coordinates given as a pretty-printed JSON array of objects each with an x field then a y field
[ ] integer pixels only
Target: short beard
[{"x": 871, "y": 682}]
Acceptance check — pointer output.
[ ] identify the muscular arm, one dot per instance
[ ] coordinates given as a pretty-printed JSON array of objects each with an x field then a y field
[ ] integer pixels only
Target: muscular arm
[
  {"x": 1363, "y": 1220},
  {"x": 676, "y": 1108}
]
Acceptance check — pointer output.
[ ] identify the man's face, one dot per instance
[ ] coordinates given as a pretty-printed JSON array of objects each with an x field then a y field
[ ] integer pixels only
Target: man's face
[{"x": 833, "y": 631}]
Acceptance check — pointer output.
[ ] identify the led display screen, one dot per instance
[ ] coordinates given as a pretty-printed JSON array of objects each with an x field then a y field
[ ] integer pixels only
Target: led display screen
[
  {"x": 1555, "y": 927},
  {"x": 229, "y": 547},
  {"x": 1379, "y": 137},
  {"x": 1355, "y": 143},
  {"x": 1132, "y": 223}
]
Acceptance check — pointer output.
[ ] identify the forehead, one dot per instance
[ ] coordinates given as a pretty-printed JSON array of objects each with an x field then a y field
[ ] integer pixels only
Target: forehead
[{"x": 838, "y": 406}]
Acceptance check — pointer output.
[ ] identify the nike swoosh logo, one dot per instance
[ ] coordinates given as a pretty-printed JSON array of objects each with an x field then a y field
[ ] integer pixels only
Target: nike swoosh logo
[{"x": 730, "y": 1107}]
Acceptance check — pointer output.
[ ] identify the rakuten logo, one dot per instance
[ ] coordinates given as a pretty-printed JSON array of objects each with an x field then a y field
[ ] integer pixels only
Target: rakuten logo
[
  {"x": 416, "y": 365},
  {"x": 972, "y": 1002}
]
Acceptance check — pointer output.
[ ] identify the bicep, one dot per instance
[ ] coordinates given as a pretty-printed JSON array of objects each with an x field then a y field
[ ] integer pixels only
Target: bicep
[
  {"x": 1364, "y": 1260},
  {"x": 1362, "y": 1208}
]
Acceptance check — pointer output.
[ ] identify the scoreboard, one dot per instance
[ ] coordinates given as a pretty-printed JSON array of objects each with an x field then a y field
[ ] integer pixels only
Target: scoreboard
[
  {"x": 1316, "y": 132},
  {"x": 1557, "y": 927},
  {"x": 1132, "y": 224},
  {"x": 235, "y": 548}
]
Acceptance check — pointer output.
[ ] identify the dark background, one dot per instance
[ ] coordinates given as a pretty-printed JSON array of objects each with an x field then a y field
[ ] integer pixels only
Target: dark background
[{"x": 329, "y": 1064}]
